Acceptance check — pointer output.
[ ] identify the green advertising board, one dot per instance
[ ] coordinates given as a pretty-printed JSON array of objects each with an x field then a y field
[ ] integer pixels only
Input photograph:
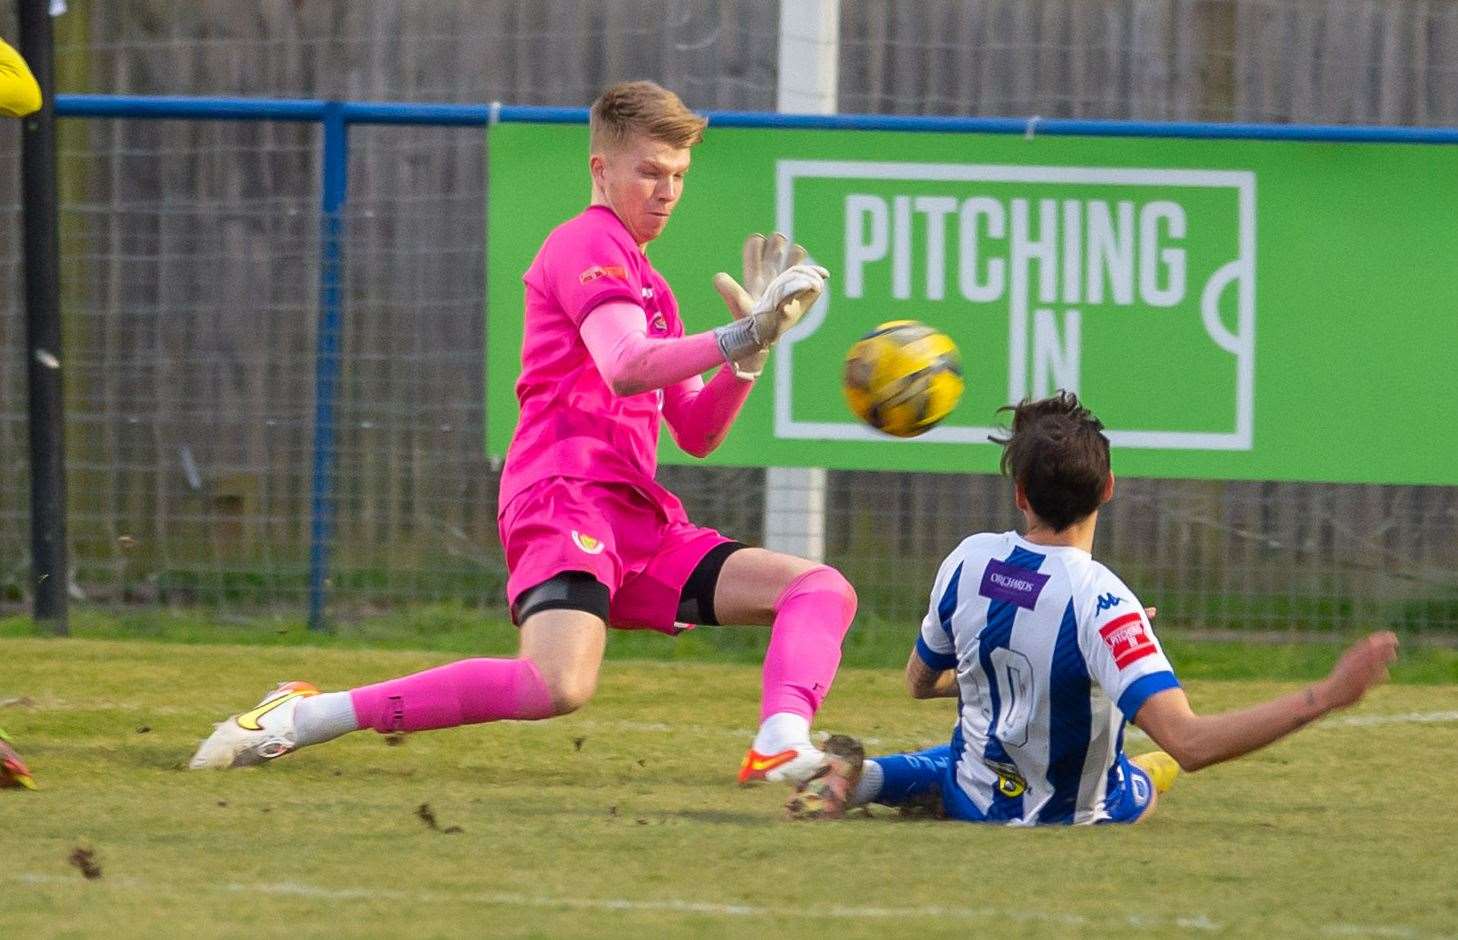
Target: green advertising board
[{"x": 1233, "y": 309}]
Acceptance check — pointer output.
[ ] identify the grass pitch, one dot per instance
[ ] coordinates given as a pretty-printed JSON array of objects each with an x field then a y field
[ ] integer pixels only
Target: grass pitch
[{"x": 624, "y": 819}]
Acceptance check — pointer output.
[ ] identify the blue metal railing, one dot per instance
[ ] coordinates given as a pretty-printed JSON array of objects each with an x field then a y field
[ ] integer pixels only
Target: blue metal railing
[{"x": 337, "y": 116}]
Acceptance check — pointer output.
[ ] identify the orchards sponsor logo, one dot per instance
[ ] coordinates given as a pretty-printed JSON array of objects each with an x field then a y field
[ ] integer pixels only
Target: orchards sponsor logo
[
  {"x": 1127, "y": 639},
  {"x": 1012, "y": 584},
  {"x": 587, "y": 543}
]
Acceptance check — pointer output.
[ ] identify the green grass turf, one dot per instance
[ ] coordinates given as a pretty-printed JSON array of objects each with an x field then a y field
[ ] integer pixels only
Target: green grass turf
[
  {"x": 623, "y": 819},
  {"x": 453, "y": 629}
]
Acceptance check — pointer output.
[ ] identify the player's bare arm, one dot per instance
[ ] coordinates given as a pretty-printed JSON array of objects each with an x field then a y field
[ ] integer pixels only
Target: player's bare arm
[
  {"x": 922, "y": 681},
  {"x": 1198, "y": 741}
]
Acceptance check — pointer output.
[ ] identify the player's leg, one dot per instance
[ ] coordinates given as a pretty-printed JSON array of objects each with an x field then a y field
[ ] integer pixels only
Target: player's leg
[
  {"x": 554, "y": 673},
  {"x": 1139, "y": 790},
  {"x": 1148, "y": 810},
  {"x": 809, "y": 608},
  {"x": 684, "y": 574},
  {"x": 909, "y": 781},
  {"x": 559, "y": 594},
  {"x": 563, "y": 634}
]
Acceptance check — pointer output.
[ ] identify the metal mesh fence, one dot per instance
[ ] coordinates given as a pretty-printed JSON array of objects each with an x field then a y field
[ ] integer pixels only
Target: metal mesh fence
[{"x": 190, "y": 292}]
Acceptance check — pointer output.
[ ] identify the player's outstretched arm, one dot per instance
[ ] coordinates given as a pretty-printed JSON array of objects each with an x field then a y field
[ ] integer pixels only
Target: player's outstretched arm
[
  {"x": 700, "y": 415},
  {"x": 631, "y": 362},
  {"x": 1198, "y": 741},
  {"x": 19, "y": 93}
]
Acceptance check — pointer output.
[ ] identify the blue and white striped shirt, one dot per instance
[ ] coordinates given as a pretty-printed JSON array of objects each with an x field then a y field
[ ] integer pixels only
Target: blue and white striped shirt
[{"x": 1053, "y": 653}]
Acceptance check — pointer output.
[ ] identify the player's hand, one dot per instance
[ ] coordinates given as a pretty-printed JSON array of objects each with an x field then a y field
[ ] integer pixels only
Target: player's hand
[
  {"x": 1362, "y": 666},
  {"x": 766, "y": 258},
  {"x": 751, "y": 363},
  {"x": 772, "y": 298},
  {"x": 787, "y": 298}
]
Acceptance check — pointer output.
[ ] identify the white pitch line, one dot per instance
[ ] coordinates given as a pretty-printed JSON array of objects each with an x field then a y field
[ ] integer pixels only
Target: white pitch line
[
  {"x": 1190, "y": 923},
  {"x": 1417, "y": 718}
]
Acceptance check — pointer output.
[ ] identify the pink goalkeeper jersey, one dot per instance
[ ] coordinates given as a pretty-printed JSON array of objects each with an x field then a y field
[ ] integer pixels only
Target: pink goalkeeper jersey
[{"x": 571, "y": 424}]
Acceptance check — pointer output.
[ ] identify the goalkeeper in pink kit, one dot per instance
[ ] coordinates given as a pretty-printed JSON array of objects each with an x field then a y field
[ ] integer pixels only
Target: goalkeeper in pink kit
[{"x": 591, "y": 539}]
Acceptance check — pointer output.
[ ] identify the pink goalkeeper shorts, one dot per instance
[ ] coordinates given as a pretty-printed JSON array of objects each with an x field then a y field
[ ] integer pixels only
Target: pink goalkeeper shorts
[{"x": 643, "y": 549}]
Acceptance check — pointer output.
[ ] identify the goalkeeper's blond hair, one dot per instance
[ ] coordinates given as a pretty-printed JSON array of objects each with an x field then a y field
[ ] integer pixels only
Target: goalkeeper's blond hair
[{"x": 642, "y": 108}]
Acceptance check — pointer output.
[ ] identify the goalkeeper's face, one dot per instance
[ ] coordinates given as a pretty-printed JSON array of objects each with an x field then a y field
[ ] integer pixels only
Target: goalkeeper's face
[{"x": 641, "y": 180}]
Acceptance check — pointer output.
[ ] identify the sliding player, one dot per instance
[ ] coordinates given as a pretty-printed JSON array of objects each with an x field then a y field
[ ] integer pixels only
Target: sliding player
[
  {"x": 1050, "y": 653},
  {"x": 591, "y": 539},
  {"x": 19, "y": 93}
]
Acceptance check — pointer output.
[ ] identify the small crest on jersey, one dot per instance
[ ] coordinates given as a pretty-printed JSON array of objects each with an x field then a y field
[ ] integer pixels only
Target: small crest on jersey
[
  {"x": 1108, "y": 602},
  {"x": 587, "y": 543},
  {"x": 658, "y": 324},
  {"x": 1012, "y": 584},
  {"x": 1127, "y": 639},
  {"x": 601, "y": 270},
  {"x": 1010, "y": 785}
]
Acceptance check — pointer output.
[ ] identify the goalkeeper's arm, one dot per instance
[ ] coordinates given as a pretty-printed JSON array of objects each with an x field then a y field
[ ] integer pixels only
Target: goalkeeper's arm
[
  {"x": 632, "y": 362},
  {"x": 19, "y": 93}
]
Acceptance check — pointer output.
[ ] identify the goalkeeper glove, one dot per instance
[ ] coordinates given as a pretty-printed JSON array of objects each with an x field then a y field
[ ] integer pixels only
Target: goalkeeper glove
[{"x": 778, "y": 290}]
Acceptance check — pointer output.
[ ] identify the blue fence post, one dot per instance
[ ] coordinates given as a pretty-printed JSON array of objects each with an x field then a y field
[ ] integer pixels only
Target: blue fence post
[{"x": 326, "y": 356}]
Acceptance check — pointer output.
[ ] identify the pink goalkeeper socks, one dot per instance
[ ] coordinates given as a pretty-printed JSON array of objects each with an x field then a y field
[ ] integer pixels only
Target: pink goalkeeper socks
[
  {"x": 811, "y": 619},
  {"x": 466, "y": 692}
]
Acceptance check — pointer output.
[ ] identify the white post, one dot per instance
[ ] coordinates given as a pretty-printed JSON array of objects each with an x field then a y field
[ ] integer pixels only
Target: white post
[{"x": 794, "y": 499}]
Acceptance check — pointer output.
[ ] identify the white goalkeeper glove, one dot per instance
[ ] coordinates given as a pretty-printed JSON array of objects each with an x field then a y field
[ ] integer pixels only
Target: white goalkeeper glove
[{"x": 778, "y": 290}]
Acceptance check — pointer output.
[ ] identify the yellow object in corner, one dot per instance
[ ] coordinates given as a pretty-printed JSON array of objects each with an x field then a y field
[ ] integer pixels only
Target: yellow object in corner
[{"x": 19, "y": 93}]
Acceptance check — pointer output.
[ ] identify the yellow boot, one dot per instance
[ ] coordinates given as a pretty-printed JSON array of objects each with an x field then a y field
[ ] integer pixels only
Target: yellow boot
[{"x": 1162, "y": 769}]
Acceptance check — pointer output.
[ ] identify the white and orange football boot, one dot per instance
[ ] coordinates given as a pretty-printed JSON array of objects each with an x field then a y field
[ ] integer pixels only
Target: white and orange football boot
[
  {"x": 793, "y": 765},
  {"x": 264, "y": 732}
]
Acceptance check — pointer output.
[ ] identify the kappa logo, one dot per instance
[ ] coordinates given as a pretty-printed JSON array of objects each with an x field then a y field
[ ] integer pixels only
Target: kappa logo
[
  {"x": 601, "y": 270},
  {"x": 647, "y": 292},
  {"x": 1127, "y": 639},
  {"x": 1108, "y": 602},
  {"x": 587, "y": 543}
]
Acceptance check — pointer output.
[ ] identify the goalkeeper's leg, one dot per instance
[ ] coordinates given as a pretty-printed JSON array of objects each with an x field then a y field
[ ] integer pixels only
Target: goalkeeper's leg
[
  {"x": 555, "y": 673},
  {"x": 810, "y": 608}
]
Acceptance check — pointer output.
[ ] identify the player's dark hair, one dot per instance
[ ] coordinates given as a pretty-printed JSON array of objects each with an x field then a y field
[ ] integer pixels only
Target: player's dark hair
[
  {"x": 1057, "y": 451},
  {"x": 642, "y": 107}
]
